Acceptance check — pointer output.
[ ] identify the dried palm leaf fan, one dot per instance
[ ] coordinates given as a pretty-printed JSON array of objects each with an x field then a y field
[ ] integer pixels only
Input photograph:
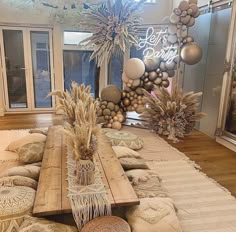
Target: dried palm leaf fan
[
  {"x": 115, "y": 27},
  {"x": 173, "y": 114}
]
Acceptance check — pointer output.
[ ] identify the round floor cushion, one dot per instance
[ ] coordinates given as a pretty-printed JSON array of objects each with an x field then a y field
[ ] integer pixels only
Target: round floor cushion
[
  {"x": 15, "y": 203},
  {"x": 125, "y": 139},
  {"x": 107, "y": 224}
]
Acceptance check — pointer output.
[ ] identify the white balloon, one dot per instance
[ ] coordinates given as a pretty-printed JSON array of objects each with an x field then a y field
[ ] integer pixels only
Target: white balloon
[
  {"x": 172, "y": 39},
  {"x": 172, "y": 29},
  {"x": 125, "y": 78},
  {"x": 174, "y": 18}
]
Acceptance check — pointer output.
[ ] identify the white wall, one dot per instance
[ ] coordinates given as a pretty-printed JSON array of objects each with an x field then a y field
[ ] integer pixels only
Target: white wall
[{"x": 152, "y": 14}]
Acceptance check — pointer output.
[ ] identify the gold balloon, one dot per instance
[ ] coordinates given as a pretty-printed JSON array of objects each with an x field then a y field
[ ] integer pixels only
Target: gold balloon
[
  {"x": 152, "y": 76},
  {"x": 126, "y": 102},
  {"x": 191, "y": 53}
]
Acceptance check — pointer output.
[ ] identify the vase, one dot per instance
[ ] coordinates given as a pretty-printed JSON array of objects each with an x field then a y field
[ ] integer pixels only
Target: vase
[{"x": 85, "y": 172}]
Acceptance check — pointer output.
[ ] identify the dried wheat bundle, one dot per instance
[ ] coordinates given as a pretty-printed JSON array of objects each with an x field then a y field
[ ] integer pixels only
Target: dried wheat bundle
[
  {"x": 83, "y": 133},
  {"x": 68, "y": 99},
  {"x": 173, "y": 114},
  {"x": 115, "y": 27}
]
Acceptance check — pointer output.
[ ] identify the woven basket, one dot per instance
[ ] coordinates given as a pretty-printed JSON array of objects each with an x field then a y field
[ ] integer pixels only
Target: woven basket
[{"x": 107, "y": 224}]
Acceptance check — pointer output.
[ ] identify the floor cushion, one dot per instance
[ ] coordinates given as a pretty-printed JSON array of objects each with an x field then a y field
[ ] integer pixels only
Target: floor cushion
[
  {"x": 152, "y": 215},
  {"x": 30, "y": 171},
  {"x": 125, "y": 152},
  {"x": 125, "y": 139},
  {"x": 15, "y": 203},
  {"x": 6, "y": 156},
  {"x": 18, "y": 181},
  {"x": 33, "y": 224},
  {"x": 133, "y": 163},
  {"x": 31, "y": 138},
  {"x": 140, "y": 175},
  {"x": 31, "y": 152}
]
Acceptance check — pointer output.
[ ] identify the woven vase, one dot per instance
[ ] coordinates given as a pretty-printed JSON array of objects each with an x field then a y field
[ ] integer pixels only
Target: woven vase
[{"x": 85, "y": 172}]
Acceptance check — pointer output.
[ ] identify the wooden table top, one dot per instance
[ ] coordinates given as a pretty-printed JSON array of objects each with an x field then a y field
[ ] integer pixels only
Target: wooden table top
[{"x": 51, "y": 197}]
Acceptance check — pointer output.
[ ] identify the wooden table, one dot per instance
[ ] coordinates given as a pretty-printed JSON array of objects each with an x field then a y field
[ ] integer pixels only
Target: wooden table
[{"x": 51, "y": 197}]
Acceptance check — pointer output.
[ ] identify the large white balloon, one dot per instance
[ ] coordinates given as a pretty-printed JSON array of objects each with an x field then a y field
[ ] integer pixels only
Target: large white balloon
[{"x": 134, "y": 68}]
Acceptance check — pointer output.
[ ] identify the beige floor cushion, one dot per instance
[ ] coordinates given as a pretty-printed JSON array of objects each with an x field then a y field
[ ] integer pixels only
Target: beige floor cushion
[
  {"x": 39, "y": 131},
  {"x": 125, "y": 139},
  {"x": 31, "y": 138},
  {"x": 153, "y": 215},
  {"x": 31, "y": 152},
  {"x": 30, "y": 171},
  {"x": 125, "y": 152},
  {"x": 15, "y": 203},
  {"x": 133, "y": 163},
  {"x": 18, "y": 181},
  {"x": 33, "y": 224},
  {"x": 140, "y": 175}
]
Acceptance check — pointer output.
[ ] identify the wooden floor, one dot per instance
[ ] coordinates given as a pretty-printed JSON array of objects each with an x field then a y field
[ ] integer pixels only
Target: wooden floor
[{"x": 215, "y": 160}]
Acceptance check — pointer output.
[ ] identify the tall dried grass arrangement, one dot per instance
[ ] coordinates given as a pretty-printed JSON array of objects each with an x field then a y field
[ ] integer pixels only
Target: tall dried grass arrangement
[
  {"x": 67, "y": 100},
  {"x": 81, "y": 120},
  {"x": 173, "y": 114}
]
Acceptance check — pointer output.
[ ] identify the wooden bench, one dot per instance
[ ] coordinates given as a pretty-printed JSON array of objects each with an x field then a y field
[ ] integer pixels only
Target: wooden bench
[{"x": 51, "y": 197}]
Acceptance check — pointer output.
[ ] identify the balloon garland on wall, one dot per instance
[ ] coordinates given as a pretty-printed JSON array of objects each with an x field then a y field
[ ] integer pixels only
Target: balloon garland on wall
[{"x": 157, "y": 67}]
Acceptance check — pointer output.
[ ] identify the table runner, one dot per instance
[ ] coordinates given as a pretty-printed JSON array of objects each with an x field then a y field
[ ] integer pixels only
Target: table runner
[{"x": 87, "y": 202}]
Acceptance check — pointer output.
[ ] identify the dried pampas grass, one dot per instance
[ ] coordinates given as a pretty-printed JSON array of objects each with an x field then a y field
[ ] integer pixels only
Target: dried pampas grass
[
  {"x": 115, "y": 26},
  {"x": 173, "y": 114},
  {"x": 81, "y": 120},
  {"x": 68, "y": 100}
]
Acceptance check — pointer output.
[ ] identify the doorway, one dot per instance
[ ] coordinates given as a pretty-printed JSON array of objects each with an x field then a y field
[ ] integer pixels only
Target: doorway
[{"x": 27, "y": 70}]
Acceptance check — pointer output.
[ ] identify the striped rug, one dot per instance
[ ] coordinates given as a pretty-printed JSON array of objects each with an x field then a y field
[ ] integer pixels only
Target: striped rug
[{"x": 203, "y": 205}]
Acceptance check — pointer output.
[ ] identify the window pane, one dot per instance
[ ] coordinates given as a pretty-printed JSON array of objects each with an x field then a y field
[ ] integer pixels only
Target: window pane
[
  {"x": 74, "y": 38},
  {"x": 115, "y": 71},
  {"x": 136, "y": 53},
  {"x": 15, "y": 68},
  {"x": 41, "y": 69},
  {"x": 77, "y": 67}
]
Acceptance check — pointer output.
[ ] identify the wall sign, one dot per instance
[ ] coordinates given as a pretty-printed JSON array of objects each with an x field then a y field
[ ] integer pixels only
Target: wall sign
[{"x": 152, "y": 40}]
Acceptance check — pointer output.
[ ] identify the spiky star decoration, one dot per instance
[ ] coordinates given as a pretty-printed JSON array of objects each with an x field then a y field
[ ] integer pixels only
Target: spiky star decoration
[
  {"x": 115, "y": 27},
  {"x": 173, "y": 114}
]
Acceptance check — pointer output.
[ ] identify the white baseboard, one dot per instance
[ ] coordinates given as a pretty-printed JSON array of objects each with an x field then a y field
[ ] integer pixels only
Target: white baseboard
[{"x": 227, "y": 143}]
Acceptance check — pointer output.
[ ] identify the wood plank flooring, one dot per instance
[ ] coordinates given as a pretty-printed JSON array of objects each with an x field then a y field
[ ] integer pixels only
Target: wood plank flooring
[{"x": 216, "y": 161}]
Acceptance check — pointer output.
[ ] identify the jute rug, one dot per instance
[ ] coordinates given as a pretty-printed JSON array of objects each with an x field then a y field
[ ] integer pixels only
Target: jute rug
[{"x": 203, "y": 205}]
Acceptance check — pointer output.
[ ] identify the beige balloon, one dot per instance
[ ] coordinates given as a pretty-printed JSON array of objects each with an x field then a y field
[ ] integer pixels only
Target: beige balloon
[
  {"x": 191, "y": 53},
  {"x": 134, "y": 68}
]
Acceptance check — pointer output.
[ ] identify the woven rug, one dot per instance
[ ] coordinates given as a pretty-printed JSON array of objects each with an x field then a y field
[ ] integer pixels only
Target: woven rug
[{"x": 203, "y": 205}]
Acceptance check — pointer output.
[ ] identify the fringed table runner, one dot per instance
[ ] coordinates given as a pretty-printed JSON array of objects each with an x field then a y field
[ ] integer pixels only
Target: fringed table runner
[{"x": 87, "y": 202}]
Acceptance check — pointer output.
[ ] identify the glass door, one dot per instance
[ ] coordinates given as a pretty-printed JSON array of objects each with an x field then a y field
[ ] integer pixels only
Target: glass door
[
  {"x": 14, "y": 69},
  {"x": 27, "y": 68}
]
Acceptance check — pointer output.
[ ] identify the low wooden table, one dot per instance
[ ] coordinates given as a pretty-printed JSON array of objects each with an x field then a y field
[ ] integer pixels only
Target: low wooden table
[{"x": 51, "y": 197}]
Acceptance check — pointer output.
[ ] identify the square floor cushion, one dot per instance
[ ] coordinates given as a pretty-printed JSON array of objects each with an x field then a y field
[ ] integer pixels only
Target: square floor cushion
[
  {"x": 31, "y": 152},
  {"x": 31, "y": 138},
  {"x": 125, "y": 152},
  {"x": 153, "y": 215},
  {"x": 33, "y": 224}
]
